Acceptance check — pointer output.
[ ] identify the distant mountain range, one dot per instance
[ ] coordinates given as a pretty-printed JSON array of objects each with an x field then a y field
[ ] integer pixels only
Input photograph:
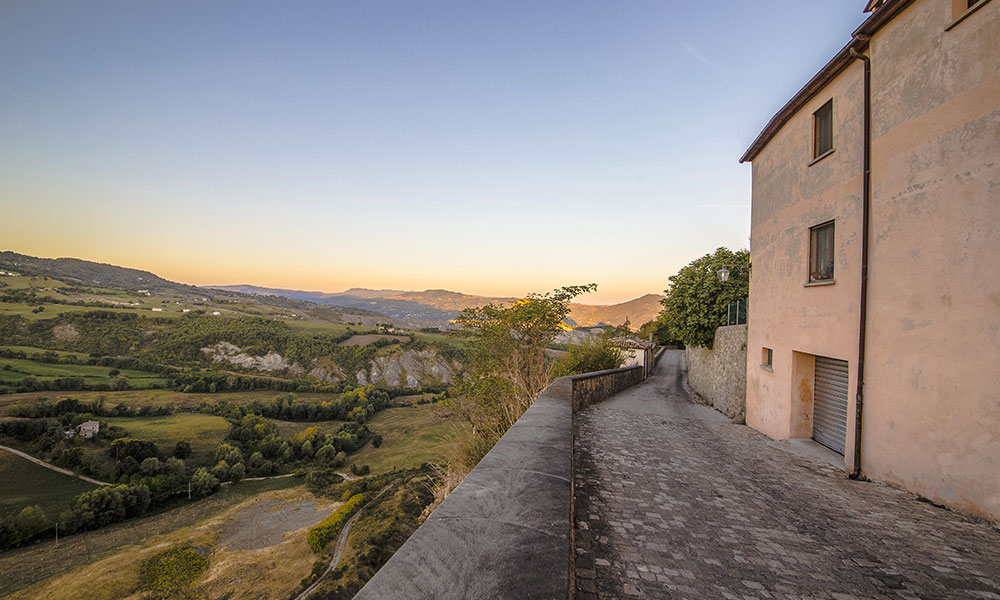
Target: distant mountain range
[
  {"x": 428, "y": 305},
  {"x": 443, "y": 304}
]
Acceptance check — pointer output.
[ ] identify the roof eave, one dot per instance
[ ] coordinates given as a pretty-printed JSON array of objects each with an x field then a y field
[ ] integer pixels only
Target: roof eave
[{"x": 859, "y": 42}]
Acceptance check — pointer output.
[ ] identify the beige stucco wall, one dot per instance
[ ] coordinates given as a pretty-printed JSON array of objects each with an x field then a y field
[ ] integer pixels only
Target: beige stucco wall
[
  {"x": 786, "y": 315},
  {"x": 932, "y": 386}
]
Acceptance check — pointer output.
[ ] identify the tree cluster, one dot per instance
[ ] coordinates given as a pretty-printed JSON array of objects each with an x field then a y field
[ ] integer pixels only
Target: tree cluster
[{"x": 696, "y": 301}]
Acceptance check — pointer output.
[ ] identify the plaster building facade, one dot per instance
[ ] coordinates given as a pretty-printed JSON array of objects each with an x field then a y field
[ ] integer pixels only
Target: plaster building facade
[{"x": 888, "y": 158}]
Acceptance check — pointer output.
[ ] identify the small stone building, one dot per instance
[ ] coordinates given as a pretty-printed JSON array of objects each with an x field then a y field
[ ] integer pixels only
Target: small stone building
[
  {"x": 636, "y": 352},
  {"x": 88, "y": 429}
]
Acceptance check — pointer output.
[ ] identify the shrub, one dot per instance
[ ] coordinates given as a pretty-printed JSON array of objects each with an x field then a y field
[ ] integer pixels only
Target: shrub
[
  {"x": 597, "y": 353},
  {"x": 170, "y": 573}
]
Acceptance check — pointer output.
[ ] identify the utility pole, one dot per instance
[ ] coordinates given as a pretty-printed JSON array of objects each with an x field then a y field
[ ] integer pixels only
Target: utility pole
[{"x": 189, "y": 490}]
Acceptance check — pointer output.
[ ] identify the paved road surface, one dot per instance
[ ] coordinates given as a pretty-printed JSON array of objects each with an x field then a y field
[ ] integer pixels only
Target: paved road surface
[{"x": 675, "y": 501}]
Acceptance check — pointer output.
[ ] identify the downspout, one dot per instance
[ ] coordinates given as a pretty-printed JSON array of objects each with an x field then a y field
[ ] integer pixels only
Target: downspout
[{"x": 866, "y": 210}]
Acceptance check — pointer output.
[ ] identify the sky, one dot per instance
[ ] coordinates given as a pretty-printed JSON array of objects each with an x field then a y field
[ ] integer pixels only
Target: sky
[{"x": 495, "y": 148}]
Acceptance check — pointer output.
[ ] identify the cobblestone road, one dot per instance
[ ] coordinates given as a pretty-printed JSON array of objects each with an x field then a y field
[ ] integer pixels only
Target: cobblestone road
[{"x": 674, "y": 501}]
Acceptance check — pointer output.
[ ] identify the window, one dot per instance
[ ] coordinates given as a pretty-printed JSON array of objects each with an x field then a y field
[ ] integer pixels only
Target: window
[
  {"x": 821, "y": 252},
  {"x": 960, "y": 9},
  {"x": 823, "y": 130},
  {"x": 767, "y": 358}
]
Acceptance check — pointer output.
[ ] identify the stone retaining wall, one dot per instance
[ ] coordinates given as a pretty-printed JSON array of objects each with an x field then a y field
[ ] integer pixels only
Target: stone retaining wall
[
  {"x": 506, "y": 531},
  {"x": 719, "y": 375}
]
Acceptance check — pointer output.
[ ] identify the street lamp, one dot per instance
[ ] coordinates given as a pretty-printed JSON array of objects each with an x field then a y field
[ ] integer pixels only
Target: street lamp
[{"x": 723, "y": 274}]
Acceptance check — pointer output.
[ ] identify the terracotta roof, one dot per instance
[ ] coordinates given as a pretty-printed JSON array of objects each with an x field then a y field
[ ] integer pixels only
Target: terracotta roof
[{"x": 884, "y": 12}]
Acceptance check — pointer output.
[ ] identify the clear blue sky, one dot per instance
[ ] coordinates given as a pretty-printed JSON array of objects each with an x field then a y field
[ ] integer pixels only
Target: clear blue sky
[{"x": 486, "y": 147}]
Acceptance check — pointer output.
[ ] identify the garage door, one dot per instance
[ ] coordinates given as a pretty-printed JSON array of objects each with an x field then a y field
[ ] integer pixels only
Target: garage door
[{"x": 830, "y": 403}]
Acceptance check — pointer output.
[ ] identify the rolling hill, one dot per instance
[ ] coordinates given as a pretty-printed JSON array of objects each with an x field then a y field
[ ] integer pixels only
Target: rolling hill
[{"x": 443, "y": 304}]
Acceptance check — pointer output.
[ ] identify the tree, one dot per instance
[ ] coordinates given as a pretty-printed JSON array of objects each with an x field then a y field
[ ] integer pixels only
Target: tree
[
  {"x": 595, "y": 353},
  {"x": 182, "y": 450},
  {"x": 149, "y": 467},
  {"x": 237, "y": 472},
  {"x": 509, "y": 367},
  {"x": 203, "y": 483},
  {"x": 29, "y": 522},
  {"x": 221, "y": 470},
  {"x": 696, "y": 300},
  {"x": 326, "y": 454},
  {"x": 661, "y": 333}
]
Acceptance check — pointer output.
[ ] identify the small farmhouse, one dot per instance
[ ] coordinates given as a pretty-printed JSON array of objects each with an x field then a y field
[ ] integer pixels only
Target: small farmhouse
[{"x": 88, "y": 429}]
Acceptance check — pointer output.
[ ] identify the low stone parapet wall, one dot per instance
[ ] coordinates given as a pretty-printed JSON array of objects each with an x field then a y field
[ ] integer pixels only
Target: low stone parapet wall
[
  {"x": 506, "y": 530},
  {"x": 719, "y": 375},
  {"x": 598, "y": 385}
]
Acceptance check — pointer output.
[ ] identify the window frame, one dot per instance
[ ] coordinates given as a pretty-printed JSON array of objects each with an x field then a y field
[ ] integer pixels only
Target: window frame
[
  {"x": 767, "y": 358},
  {"x": 960, "y": 9},
  {"x": 823, "y": 112},
  {"x": 814, "y": 253}
]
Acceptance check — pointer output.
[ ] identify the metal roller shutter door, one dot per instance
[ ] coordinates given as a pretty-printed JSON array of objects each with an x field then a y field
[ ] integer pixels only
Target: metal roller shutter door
[{"x": 830, "y": 403}]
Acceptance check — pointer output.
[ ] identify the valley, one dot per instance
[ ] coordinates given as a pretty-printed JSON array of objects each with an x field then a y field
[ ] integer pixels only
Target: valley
[{"x": 228, "y": 423}]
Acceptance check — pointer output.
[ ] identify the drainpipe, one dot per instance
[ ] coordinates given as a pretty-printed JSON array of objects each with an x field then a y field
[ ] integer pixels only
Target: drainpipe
[{"x": 866, "y": 210}]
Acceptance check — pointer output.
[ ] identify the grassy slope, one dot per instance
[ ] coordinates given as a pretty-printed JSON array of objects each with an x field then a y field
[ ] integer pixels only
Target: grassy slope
[
  {"x": 20, "y": 368},
  {"x": 20, "y": 283},
  {"x": 411, "y": 436},
  {"x": 25, "y": 484},
  {"x": 204, "y": 432},
  {"x": 45, "y": 561}
]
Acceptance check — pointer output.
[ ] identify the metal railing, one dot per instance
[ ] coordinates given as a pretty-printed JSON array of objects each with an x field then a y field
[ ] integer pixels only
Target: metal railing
[{"x": 736, "y": 312}]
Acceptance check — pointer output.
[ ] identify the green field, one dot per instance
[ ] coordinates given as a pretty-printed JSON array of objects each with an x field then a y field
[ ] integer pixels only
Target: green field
[
  {"x": 25, "y": 484},
  {"x": 411, "y": 436},
  {"x": 204, "y": 432},
  {"x": 20, "y": 283},
  {"x": 33, "y": 350},
  {"x": 51, "y": 310},
  {"x": 13, "y": 370},
  {"x": 323, "y": 327},
  {"x": 155, "y": 398},
  {"x": 287, "y": 429}
]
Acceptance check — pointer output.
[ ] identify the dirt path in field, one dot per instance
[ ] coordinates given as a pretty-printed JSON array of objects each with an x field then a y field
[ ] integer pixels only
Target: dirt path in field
[
  {"x": 260, "y": 478},
  {"x": 52, "y": 467}
]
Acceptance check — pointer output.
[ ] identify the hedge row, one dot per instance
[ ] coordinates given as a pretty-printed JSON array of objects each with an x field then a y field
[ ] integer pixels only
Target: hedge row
[{"x": 327, "y": 531}]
